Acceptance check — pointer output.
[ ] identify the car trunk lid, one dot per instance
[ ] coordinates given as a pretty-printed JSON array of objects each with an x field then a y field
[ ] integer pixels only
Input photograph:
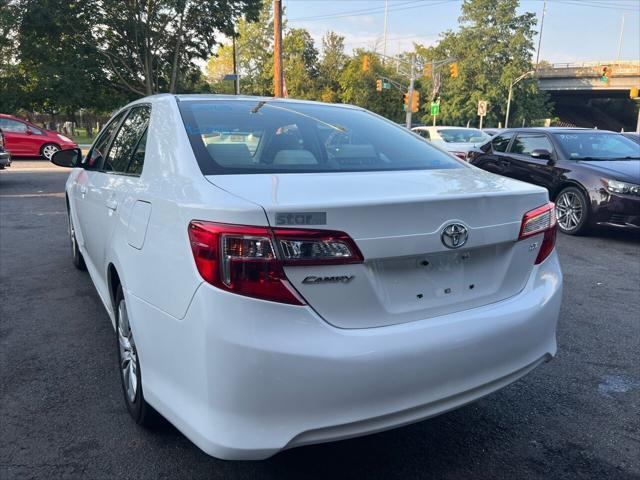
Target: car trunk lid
[{"x": 397, "y": 220}]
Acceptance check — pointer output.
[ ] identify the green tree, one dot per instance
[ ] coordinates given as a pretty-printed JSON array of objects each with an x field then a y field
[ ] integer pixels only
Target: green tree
[
  {"x": 217, "y": 67},
  {"x": 300, "y": 63},
  {"x": 11, "y": 75},
  {"x": 148, "y": 44},
  {"x": 358, "y": 87},
  {"x": 58, "y": 74},
  {"x": 492, "y": 47},
  {"x": 331, "y": 66}
]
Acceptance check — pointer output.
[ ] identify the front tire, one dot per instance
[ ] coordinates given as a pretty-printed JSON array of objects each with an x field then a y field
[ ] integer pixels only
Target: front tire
[
  {"x": 129, "y": 366},
  {"x": 48, "y": 149},
  {"x": 572, "y": 211}
]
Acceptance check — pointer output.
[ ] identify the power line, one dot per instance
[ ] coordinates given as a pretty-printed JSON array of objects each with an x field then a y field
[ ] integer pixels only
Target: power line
[
  {"x": 594, "y": 4},
  {"x": 348, "y": 13},
  {"x": 404, "y": 37},
  {"x": 371, "y": 11}
]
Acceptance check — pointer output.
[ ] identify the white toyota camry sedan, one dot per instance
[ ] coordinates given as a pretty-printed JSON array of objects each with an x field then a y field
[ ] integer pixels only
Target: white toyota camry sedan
[{"x": 281, "y": 273}]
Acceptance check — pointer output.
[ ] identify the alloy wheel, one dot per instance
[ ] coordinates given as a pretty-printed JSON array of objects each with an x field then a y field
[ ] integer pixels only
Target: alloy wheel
[
  {"x": 128, "y": 355},
  {"x": 569, "y": 211},
  {"x": 49, "y": 150}
]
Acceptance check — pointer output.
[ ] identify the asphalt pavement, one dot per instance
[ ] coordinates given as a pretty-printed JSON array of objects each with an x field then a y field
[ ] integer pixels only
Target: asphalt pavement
[{"x": 62, "y": 413}]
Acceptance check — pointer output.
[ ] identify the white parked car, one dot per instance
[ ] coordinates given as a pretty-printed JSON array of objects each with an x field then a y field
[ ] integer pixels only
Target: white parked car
[
  {"x": 281, "y": 273},
  {"x": 456, "y": 140}
]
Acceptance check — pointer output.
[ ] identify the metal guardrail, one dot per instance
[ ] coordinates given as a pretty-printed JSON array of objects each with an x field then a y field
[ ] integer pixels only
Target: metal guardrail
[{"x": 620, "y": 63}]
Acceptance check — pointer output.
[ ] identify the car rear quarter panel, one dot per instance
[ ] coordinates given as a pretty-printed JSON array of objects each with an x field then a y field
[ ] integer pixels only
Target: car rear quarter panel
[{"x": 163, "y": 272}]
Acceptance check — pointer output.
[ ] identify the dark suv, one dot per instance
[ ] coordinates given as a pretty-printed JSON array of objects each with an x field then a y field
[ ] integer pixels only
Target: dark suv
[{"x": 592, "y": 175}]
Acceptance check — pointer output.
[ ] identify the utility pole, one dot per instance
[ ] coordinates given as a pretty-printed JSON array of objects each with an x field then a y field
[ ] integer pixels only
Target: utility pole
[
  {"x": 506, "y": 120},
  {"x": 384, "y": 44},
  {"x": 544, "y": 11},
  {"x": 236, "y": 79},
  {"x": 621, "y": 36},
  {"x": 277, "y": 48},
  {"x": 410, "y": 91}
]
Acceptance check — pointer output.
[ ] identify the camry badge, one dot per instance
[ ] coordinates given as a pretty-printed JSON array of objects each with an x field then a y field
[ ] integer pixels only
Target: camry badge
[
  {"x": 336, "y": 279},
  {"x": 454, "y": 235}
]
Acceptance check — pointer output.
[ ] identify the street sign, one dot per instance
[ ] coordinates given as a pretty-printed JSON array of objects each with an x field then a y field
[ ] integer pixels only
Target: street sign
[
  {"x": 435, "y": 108},
  {"x": 482, "y": 108},
  {"x": 230, "y": 76},
  {"x": 436, "y": 86}
]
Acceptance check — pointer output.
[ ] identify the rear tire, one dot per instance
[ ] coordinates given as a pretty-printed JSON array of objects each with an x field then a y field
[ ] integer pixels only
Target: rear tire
[
  {"x": 129, "y": 367},
  {"x": 76, "y": 256},
  {"x": 572, "y": 211}
]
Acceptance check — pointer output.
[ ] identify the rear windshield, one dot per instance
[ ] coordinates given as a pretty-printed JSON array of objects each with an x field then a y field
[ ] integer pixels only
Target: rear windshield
[
  {"x": 245, "y": 136},
  {"x": 590, "y": 145},
  {"x": 463, "y": 135}
]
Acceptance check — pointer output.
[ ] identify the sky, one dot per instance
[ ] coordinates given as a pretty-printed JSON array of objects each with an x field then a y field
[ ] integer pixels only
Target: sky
[{"x": 574, "y": 30}]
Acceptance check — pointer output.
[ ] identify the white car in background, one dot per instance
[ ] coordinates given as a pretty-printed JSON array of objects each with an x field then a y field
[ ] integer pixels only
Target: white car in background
[
  {"x": 456, "y": 140},
  {"x": 281, "y": 273}
]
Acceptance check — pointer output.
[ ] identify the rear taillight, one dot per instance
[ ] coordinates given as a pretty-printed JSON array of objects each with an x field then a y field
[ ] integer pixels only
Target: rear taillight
[
  {"x": 249, "y": 260},
  {"x": 460, "y": 155},
  {"x": 540, "y": 220}
]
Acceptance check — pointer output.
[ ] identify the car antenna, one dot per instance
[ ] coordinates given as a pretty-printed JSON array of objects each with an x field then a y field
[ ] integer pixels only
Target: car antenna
[{"x": 257, "y": 108}]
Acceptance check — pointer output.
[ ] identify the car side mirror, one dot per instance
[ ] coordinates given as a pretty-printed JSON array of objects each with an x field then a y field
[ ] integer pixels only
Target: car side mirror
[
  {"x": 69, "y": 158},
  {"x": 29, "y": 131},
  {"x": 541, "y": 153}
]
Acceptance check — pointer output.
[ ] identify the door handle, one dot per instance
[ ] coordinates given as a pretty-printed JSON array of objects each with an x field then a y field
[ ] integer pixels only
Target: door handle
[{"x": 112, "y": 204}]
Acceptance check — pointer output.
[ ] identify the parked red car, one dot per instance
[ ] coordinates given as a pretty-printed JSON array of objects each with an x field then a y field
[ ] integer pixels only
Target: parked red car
[{"x": 23, "y": 139}]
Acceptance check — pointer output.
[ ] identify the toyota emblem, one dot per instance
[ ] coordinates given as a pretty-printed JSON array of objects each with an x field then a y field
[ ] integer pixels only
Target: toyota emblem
[{"x": 454, "y": 235}]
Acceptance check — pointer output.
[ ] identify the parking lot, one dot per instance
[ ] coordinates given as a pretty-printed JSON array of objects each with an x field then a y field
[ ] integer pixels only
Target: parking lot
[{"x": 62, "y": 415}]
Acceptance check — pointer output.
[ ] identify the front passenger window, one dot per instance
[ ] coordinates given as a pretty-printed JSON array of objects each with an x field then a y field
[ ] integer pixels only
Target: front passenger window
[{"x": 96, "y": 155}]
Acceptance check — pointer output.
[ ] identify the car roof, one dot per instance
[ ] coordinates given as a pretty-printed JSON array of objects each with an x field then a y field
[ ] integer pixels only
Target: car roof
[
  {"x": 555, "y": 130},
  {"x": 442, "y": 127},
  {"x": 251, "y": 98}
]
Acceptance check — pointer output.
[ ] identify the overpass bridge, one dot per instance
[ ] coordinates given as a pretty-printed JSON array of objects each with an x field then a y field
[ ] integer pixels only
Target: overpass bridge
[
  {"x": 584, "y": 97},
  {"x": 588, "y": 76}
]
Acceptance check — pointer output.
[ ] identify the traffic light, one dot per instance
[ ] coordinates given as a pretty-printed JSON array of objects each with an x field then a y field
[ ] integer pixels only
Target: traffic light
[
  {"x": 379, "y": 85},
  {"x": 405, "y": 97},
  {"x": 428, "y": 70},
  {"x": 366, "y": 63},
  {"x": 415, "y": 101},
  {"x": 453, "y": 70}
]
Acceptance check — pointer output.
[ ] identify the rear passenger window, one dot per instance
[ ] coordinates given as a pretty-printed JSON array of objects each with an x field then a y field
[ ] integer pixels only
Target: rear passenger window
[
  {"x": 527, "y": 143},
  {"x": 126, "y": 142},
  {"x": 501, "y": 142},
  {"x": 137, "y": 159}
]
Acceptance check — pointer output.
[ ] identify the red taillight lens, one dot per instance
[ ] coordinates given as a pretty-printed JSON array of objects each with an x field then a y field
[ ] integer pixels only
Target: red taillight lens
[
  {"x": 460, "y": 155},
  {"x": 540, "y": 220},
  {"x": 249, "y": 260}
]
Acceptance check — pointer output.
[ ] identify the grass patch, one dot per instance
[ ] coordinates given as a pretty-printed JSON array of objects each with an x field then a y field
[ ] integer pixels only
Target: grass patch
[{"x": 81, "y": 137}]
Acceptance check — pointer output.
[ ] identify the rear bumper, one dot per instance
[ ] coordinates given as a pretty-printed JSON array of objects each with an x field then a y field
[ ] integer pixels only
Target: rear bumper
[{"x": 244, "y": 379}]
